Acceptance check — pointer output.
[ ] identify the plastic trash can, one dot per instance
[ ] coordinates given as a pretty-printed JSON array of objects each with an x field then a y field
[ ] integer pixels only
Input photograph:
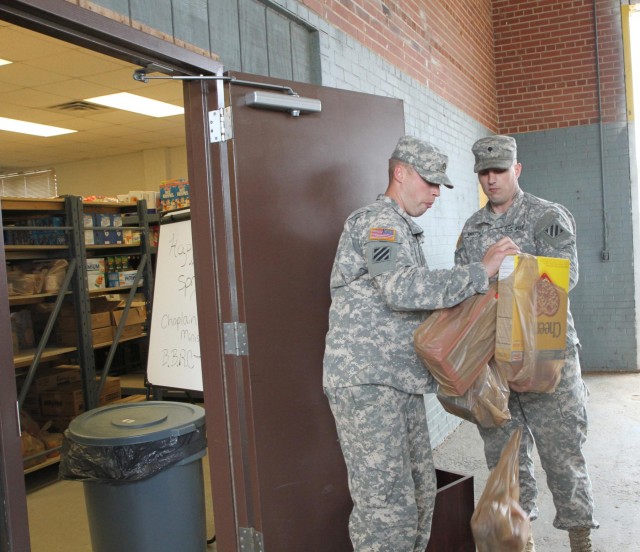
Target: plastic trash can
[{"x": 141, "y": 468}]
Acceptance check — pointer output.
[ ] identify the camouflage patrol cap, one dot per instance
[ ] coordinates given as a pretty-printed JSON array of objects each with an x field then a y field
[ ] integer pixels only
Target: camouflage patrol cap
[
  {"x": 494, "y": 152},
  {"x": 428, "y": 161}
]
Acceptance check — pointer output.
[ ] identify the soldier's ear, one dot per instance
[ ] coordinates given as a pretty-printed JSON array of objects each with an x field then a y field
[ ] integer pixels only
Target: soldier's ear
[
  {"x": 518, "y": 169},
  {"x": 400, "y": 172}
]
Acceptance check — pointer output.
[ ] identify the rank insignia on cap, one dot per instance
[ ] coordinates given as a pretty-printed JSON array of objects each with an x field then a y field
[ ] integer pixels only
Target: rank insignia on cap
[{"x": 382, "y": 234}]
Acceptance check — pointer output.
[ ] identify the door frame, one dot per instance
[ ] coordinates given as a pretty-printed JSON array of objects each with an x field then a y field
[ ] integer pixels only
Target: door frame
[{"x": 68, "y": 22}]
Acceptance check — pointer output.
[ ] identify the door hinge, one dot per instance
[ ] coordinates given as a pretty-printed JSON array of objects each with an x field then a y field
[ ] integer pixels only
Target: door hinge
[
  {"x": 220, "y": 125},
  {"x": 235, "y": 339},
  {"x": 250, "y": 540}
]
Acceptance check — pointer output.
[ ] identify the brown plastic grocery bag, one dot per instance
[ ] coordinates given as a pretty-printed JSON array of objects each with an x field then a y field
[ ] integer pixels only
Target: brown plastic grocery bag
[
  {"x": 485, "y": 403},
  {"x": 498, "y": 523},
  {"x": 455, "y": 344}
]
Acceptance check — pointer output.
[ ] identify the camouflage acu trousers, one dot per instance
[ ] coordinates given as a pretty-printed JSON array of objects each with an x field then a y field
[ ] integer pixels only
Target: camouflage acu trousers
[
  {"x": 385, "y": 442},
  {"x": 557, "y": 424}
]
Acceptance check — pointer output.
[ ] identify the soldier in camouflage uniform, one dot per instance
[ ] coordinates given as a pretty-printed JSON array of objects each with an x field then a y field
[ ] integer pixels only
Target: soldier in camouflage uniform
[
  {"x": 555, "y": 422},
  {"x": 381, "y": 291}
]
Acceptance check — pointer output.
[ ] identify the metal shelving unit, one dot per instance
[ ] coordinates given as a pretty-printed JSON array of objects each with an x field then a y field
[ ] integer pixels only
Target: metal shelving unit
[{"x": 74, "y": 287}]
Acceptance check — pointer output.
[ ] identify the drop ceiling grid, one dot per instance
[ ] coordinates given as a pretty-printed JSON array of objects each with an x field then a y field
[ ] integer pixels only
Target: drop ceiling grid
[{"x": 47, "y": 72}]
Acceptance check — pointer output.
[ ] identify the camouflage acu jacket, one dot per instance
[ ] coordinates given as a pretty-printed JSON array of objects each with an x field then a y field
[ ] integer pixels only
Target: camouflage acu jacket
[
  {"x": 381, "y": 290},
  {"x": 537, "y": 226}
]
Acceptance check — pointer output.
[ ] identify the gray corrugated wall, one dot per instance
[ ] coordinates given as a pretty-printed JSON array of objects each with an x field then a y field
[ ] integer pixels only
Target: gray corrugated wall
[{"x": 248, "y": 35}]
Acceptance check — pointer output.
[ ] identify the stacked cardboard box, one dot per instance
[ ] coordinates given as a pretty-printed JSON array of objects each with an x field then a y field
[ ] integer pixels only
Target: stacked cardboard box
[
  {"x": 67, "y": 400},
  {"x": 47, "y": 378},
  {"x": 134, "y": 323},
  {"x": 101, "y": 328}
]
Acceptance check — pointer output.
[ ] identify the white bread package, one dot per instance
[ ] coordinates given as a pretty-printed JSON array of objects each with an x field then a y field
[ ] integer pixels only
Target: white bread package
[{"x": 531, "y": 327}]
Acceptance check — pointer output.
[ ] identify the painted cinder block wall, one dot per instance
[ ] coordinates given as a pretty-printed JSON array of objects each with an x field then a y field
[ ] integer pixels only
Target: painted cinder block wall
[{"x": 464, "y": 73}]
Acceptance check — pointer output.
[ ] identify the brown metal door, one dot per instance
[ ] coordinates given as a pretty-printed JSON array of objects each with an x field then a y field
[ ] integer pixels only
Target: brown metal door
[{"x": 265, "y": 231}]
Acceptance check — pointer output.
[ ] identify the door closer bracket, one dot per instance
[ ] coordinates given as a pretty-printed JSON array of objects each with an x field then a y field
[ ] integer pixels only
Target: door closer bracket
[
  {"x": 220, "y": 125},
  {"x": 235, "y": 339},
  {"x": 250, "y": 540}
]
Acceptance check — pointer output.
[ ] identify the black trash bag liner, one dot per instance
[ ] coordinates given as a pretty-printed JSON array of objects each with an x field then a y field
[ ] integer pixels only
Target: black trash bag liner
[{"x": 126, "y": 463}]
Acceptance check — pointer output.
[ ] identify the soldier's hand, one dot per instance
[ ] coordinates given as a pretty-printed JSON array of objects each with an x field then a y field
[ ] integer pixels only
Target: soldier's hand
[{"x": 496, "y": 253}]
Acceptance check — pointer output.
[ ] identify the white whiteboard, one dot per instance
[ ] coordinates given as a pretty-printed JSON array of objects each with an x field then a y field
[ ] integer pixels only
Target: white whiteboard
[{"x": 174, "y": 342}]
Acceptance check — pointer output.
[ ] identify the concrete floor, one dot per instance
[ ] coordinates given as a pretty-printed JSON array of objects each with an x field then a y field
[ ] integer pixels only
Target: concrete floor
[
  {"x": 612, "y": 451},
  {"x": 58, "y": 521}
]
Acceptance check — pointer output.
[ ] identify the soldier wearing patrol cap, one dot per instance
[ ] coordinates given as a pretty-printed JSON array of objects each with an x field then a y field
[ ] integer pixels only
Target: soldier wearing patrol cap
[
  {"x": 556, "y": 422},
  {"x": 381, "y": 290}
]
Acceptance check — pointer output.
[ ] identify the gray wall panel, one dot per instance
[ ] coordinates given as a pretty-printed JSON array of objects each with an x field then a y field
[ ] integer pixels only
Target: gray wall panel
[
  {"x": 303, "y": 48},
  {"x": 225, "y": 32},
  {"x": 279, "y": 45},
  {"x": 155, "y": 13},
  {"x": 118, "y": 6},
  {"x": 253, "y": 37},
  {"x": 191, "y": 22}
]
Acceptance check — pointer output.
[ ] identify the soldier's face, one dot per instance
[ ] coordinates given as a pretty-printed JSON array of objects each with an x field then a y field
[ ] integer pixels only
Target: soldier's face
[
  {"x": 500, "y": 185},
  {"x": 418, "y": 195}
]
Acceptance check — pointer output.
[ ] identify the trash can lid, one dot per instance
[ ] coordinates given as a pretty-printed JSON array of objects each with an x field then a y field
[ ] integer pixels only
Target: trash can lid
[{"x": 134, "y": 423}]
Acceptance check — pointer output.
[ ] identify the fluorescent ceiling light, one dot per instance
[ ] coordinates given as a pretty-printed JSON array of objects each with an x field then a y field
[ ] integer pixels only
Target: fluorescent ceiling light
[
  {"x": 5, "y": 62},
  {"x": 24, "y": 127},
  {"x": 137, "y": 104}
]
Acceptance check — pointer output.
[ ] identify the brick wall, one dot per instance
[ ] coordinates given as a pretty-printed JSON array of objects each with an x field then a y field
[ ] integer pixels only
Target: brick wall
[
  {"x": 445, "y": 45},
  {"x": 545, "y": 56}
]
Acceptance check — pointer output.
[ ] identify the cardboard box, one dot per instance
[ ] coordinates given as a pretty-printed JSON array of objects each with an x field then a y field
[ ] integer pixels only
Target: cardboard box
[
  {"x": 136, "y": 315},
  {"x": 531, "y": 323},
  {"x": 49, "y": 377},
  {"x": 127, "y": 277},
  {"x": 108, "y": 237},
  {"x": 113, "y": 279},
  {"x": 99, "y": 336},
  {"x": 102, "y": 219},
  {"x": 131, "y": 331},
  {"x": 174, "y": 194},
  {"x": 68, "y": 399},
  {"x": 96, "y": 280},
  {"x": 131, "y": 237},
  {"x": 100, "y": 316},
  {"x": 96, "y": 265}
]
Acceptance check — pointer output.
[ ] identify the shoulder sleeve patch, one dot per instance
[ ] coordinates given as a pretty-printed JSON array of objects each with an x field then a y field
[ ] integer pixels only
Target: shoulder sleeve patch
[
  {"x": 554, "y": 230},
  {"x": 382, "y": 234},
  {"x": 381, "y": 257}
]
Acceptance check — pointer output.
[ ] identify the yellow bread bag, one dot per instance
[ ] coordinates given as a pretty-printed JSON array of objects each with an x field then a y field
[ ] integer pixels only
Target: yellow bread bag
[{"x": 531, "y": 324}]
